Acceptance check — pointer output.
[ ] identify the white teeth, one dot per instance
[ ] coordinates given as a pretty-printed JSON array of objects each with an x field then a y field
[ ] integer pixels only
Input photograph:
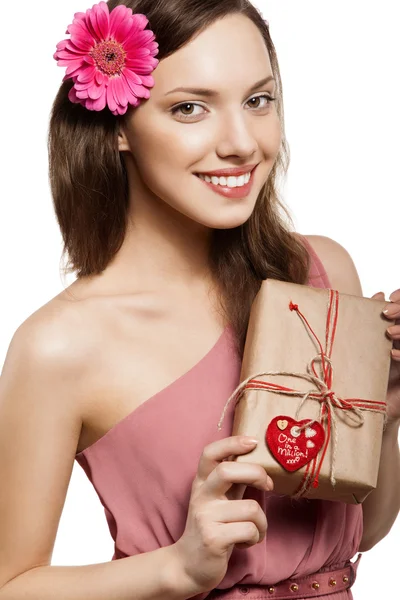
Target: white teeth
[{"x": 231, "y": 182}]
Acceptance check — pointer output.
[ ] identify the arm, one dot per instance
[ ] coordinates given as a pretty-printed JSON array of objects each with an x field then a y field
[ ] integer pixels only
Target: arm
[
  {"x": 382, "y": 505},
  {"x": 148, "y": 576},
  {"x": 40, "y": 423}
]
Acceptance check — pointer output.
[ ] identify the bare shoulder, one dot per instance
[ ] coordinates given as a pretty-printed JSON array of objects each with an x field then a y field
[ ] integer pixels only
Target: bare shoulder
[
  {"x": 52, "y": 350},
  {"x": 41, "y": 387},
  {"x": 338, "y": 263},
  {"x": 57, "y": 336}
]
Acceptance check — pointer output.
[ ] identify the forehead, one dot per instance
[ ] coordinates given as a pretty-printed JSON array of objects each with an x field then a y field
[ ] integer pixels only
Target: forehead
[{"x": 231, "y": 51}]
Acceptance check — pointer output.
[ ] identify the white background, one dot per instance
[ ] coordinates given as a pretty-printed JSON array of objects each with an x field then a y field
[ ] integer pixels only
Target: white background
[{"x": 339, "y": 64}]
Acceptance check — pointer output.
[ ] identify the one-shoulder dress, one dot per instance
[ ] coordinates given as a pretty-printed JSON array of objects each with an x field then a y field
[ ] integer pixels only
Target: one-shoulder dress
[{"x": 142, "y": 470}]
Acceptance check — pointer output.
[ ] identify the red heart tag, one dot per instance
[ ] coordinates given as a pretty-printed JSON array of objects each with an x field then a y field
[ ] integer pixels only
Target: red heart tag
[{"x": 293, "y": 448}]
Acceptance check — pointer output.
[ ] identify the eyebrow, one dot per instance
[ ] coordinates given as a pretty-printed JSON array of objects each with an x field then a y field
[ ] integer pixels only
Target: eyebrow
[{"x": 213, "y": 93}]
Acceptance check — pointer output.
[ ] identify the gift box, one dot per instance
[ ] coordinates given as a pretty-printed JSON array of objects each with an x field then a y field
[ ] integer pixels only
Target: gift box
[{"x": 313, "y": 390}]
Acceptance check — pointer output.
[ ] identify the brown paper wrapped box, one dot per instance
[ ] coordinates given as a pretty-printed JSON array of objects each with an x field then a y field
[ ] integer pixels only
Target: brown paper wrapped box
[{"x": 278, "y": 340}]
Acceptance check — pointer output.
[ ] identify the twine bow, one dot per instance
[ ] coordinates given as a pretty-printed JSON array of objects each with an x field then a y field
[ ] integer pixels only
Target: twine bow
[{"x": 327, "y": 397}]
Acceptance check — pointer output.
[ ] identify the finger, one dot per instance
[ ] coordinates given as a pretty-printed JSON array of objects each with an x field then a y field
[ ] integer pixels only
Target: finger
[
  {"x": 234, "y": 511},
  {"x": 395, "y": 296},
  {"x": 394, "y": 331},
  {"x": 219, "y": 451},
  {"x": 245, "y": 534},
  {"x": 395, "y": 354},
  {"x": 236, "y": 492},
  {"x": 226, "y": 473},
  {"x": 392, "y": 311},
  {"x": 378, "y": 296}
]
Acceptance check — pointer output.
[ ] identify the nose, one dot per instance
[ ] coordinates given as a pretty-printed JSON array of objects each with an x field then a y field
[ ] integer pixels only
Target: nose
[{"x": 236, "y": 136}]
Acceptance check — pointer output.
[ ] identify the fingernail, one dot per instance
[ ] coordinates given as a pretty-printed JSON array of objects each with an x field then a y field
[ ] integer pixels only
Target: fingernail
[
  {"x": 390, "y": 309},
  {"x": 249, "y": 441},
  {"x": 270, "y": 484}
]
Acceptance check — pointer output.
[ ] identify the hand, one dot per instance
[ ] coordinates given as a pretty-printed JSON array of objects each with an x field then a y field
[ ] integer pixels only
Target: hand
[
  {"x": 218, "y": 517},
  {"x": 393, "y": 392}
]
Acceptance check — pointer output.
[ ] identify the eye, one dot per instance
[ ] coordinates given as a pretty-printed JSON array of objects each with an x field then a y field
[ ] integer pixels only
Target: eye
[
  {"x": 186, "y": 106},
  {"x": 266, "y": 97},
  {"x": 185, "y": 110}
]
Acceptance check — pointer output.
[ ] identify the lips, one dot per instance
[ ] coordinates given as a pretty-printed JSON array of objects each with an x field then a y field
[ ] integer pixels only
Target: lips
[
  {"x": 230, "y": 172},
  {"x": 228, "y": 192}
]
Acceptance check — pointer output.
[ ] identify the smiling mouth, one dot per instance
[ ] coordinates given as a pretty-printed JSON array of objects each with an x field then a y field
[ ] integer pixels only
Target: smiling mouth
[
  {"x": 210, "y": 175},
  {"x": 229, "y": 186}
]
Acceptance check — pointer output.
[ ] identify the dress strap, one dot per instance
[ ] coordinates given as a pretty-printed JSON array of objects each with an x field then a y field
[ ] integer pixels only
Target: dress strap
[{"x": 317, "y": 274}]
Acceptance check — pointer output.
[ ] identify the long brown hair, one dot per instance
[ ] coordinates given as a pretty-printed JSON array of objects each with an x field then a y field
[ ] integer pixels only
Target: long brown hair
[{"x": 89, "y": 182}]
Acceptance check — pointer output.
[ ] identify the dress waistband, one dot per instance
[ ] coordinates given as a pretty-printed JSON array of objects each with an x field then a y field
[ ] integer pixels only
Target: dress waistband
[{"x": 309, "y": 586}]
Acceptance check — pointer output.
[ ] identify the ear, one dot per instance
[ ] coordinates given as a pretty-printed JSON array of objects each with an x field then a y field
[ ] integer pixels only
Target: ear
[{"x": 123, "y": 144}]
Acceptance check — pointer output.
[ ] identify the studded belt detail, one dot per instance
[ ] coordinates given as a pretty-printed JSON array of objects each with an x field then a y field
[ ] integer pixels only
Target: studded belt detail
[{"x": 309, "y": 586}]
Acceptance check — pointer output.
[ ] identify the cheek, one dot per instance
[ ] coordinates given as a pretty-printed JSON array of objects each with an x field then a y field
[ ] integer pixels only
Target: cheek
[
  {"x": 177, "y": 147},
  {"x": 164, "y": 160},
  {"x": 269, "y": 135}
]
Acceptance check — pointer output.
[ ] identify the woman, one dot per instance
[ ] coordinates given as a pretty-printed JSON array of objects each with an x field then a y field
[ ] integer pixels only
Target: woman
[{"x": 128, "y": 368}]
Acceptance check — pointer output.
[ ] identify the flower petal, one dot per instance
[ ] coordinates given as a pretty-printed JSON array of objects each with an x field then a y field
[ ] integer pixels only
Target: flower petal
[
  {"x": 72, "y": 95},
  {"x": 117, "y": 16},
  {"x": 88, "y": 104},
  {"x": 138, "y": 39},
  {"x": 82, "y": 86},
  {"x": 132, "y": 76},
  {"x": 96, "y": 16},
  {"x": 82, "y": 94},
  {"x": 112, "y": 105},
  {"x": 79, "y": 44},
  {"x": 80, "y": 30},
  {"x": 147, "y": 80},
  {"x": 86, "y": 74},
  {"x": 95, "y": 91},
  {"x": 141, "y": 65},
  {"x": 100, "y": 103},
  {"x": 122, "y": 27},
  {"x": 79, "y": 16},
  {"x": 140, "y": 20},
  {"x": 113, "y": 90},
  {"x": 137, "y": 90},
  {"x": 103, "y": 19},
  {"x": 61, "y": 45},
  {"x": 139, "y": 53},
  {"x": 154, "y": 48},
  {"x": 132, "y": 99},
  {"x": 66, "y": 55},
  {"x": 88, "y": 24},
  {"x": 72, "y": 68},
  {"x": 88, "y": 59},
  {"x": 119, "y": 89},
  {"x": 100, "y": 77},
  {"x": 121, "y": 110}
]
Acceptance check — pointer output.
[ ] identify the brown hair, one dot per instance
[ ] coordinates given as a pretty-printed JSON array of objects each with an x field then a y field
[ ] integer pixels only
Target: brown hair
[{"x": 90, "y": 188}]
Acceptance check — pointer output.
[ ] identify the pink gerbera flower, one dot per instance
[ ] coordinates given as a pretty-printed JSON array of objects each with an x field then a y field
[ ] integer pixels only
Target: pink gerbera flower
[{"x": 109, "y": 57}]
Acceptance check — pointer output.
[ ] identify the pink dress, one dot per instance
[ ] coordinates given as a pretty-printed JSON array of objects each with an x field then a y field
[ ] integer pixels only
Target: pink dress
[{"x": 143, "y": 468}]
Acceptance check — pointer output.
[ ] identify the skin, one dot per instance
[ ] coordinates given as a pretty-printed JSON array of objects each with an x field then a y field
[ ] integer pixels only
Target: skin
[
  {"x": 107, "y": 343},
  {"x": 382, "y": 505},
  {"x": 159, "y": 280},
  {"x": 171, "y": 210}
]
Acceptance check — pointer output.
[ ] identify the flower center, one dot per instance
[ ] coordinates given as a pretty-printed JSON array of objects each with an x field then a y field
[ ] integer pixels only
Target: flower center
[{"x": 109, "y": 57}]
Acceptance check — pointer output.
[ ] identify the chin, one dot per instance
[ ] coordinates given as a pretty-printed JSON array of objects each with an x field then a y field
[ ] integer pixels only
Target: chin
[
  {"x": 225, "y": 218},
  {"x": 212, "y": 210}
]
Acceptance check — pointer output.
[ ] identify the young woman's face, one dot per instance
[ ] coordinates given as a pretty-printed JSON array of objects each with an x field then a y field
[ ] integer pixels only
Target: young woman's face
[{"x": 174, "y": 135}]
